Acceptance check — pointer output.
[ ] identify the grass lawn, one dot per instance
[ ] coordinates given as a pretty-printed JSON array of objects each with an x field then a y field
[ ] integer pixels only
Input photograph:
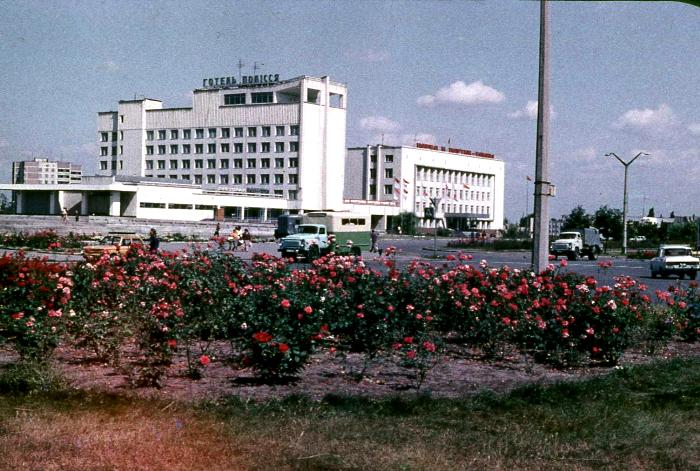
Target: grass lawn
[{"x": 645, "y": 417}]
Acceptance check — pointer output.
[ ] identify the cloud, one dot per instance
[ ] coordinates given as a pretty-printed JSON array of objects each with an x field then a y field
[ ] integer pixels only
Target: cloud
[
  {"x": 462, "y": 94},
  {"x": 529, "y": 111},
  {"x": 694, "y": 129},
  {"x": 587, "y": 155},
  {"x": 109, "y": 66},
  {"x": 379, "y": 124},
  {"x": 648, "y": 119},
  {"x": 405, "y": 139},
  {"x": 373, "y": 55}
]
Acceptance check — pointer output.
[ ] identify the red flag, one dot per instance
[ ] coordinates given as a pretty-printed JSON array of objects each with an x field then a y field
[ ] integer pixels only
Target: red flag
[
  {"x": 465, "y": 186},
  {"x": 528, "y": 178}
]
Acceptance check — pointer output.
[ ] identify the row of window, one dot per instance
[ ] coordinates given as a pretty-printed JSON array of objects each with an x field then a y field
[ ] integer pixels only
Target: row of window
[
  {"x": 454, "y": 176},
  {"x": 454, "y": 194},
  {"x": 224, "y": 148},
  {"x": 255, "y": 98},
  {"x": 388, "y": 158},
  {"x": 457, "y": 208},
  {"x": 236, "y": 179},
  {"x": 221, "y": 163},
  {"x": 213, "y": 133}
]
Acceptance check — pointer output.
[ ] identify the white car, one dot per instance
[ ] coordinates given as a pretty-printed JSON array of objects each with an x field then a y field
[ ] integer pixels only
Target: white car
[{"x": 674, "y": 260}]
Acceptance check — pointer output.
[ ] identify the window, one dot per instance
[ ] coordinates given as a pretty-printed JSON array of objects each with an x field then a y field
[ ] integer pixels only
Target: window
[
  {"x": 250, "y": 163},
  {"x": 238, "y": 148},
  {"x": 292, "y": 194},
  {"x": 114, "y": 136},
  {"x": 261, "y": 97},
  {"x": 149, "y": 150},
  {"x": 103, "y": 165},
  {"x": 199, "y": 148},
  {"x": 161, "y": 165},
  {"x": 185, "y": 176},
  {"x": 223, "y": 163},
  {"x": 225, "y": 133},
  {"x": 265, "y": 179},
  {"x": 237, "y": 163},
  {"x": 223, "y": 179},
  {"x": 279, "y": 193},
  {"x": 146, "y": 204},
  {"x": 198, "y": 179},
  {"x": 149, "y": 165},
  {"x": 121, "y": 118},
  {"x": 211, "y": 163},
  {"x": 237, "y": 179},
  {"x": 250, "y": 179},
  {"x": 211, "y": 178},
  {"x": 293, "y": 163},
  {"x": 186, "y": 148},
  {"x": 252, "y": 132},
  {"x": 104, "y": 151},
  {"x": 173, "y": 149},
  {"x": 149, "y": 135},
  {"x": 279, "y": 179},
  {"x": 187, "y": 134},
  {"x": 373, "y": 190},
  {"x": 279, "y": 147},
  {"x": 265, "y": 131},
  {"x": 211, "y": 148},
  {"x": 293, "y": 147},
  {"x": 234, "y": 99},
  {"x": 114, "y": 164},
  {"x": 264, "y": 163},
  {"x": 198, "y": 163},
  {"x": 161, "y": 150},
  {"x": 293, "y": 179},
  {"x": 373, "y": 173},
  {"x": 212, "y": 133},
  {"x": 179, "y": 206},
  {"x": 388, "y": 173},
  {"x": 186, "y": 164},
  {"x": 388, "y": 189},
  {"x": 121, "y": 135},
  {"x": 252, "y": 148},
  {"x": 173, "y": 165},
  {"x": 104, "y": 136},
  {"x": 294, "y": 130},
  {"x": 225, "y": 147},
  {"x": 161, "y": 134},
  {"x": 265, "y": 147},
  {"x": 389, "y": 159},
  {"x": 279, "y": 163},
  {"x": 279, "y": 130},
  {"x": 174, "y": 134},
  {"x": 238, "y": 132},
  {"x": 199, "y": 133},
  {"x": 373, "y": 158}
]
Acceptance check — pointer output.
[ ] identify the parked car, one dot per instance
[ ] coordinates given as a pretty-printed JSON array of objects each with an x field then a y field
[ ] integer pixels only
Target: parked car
[
  {"x": 114, "y": 242},
  {"x": 674, "y": 260},
  {"x": 638, "y": 239}
]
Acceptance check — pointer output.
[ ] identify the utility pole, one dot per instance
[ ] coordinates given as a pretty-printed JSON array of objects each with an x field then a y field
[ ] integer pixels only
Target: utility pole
[
  {"x": 543, "y": 188},
  {"x": 624, "y": 198},
  {"x": 434, "y": 202}
]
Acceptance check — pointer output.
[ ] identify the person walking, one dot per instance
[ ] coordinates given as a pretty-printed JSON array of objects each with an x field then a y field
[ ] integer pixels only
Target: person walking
[
  {"x": 64, "y": 214},
  {"x": 247, "y": 239},
  {"x": 235, "y": 238},
  {"x": 153, "y": 241},
  {"x": 216, "y": 231},
  {"x": 374, "y": 237}
]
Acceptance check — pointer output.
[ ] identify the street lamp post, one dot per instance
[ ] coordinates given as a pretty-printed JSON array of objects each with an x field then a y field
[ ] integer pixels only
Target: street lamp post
[{"x": 624, "y": 198}]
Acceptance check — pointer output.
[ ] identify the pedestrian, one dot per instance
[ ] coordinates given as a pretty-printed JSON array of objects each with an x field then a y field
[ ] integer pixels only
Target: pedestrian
[
  {"x": 77, "y": 215},
  {"x": 374, "y": 237},
  {"x": 153, "y": 241},
  {"x": 64, "y": 214},
  {"x": 216, "y": 231},
  {"x": 247, "y": 240},
  {"x": 235, "y": 238}
]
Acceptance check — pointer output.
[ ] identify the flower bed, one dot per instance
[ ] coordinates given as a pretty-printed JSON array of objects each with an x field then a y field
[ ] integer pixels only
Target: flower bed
[{"x": 275, "y": 316}]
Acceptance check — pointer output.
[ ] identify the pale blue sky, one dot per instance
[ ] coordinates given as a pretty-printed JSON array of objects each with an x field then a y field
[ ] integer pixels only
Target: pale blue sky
[{"x": 624, "y": 79}]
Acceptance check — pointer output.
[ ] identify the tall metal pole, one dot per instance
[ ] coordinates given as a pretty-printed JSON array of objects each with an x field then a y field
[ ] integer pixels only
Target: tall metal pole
[
  {"x": 540, "y": 246},
  {"x": 624, "y": 197}
]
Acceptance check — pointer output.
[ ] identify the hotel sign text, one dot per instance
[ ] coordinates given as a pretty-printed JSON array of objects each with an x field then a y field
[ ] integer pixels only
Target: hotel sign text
[{"x": 221, "y": 82}]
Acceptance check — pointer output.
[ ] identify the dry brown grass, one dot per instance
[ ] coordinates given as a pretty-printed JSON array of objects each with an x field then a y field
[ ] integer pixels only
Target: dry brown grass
[{"x": 127, "y": 436}]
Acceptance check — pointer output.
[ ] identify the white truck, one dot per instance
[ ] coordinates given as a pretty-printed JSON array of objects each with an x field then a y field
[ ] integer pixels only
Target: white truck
[
  {"x": 674, "y": 260},
  {"x": 577, "y": 243}
]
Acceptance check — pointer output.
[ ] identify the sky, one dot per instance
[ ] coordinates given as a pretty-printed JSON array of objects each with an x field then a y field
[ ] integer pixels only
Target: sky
[{"x": 624, "y": 79}]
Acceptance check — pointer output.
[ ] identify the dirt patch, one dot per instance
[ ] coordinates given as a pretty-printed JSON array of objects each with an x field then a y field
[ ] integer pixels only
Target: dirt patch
[{"x": 459, "y": 373}]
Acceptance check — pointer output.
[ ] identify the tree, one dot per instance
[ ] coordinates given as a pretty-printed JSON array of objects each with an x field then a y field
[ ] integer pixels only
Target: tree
[
  {"x": 578, "y": 218},
  {"x": 650, "y": 214},
  {"x": 609, "y": 222}
]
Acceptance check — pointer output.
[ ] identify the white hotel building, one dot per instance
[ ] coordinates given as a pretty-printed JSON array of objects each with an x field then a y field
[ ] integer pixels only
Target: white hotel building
[{"x": 468, "y": 186}]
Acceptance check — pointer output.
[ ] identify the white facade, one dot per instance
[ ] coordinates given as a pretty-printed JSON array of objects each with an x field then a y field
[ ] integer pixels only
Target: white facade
[
  {"x": 284, "y": 139},
  {"x": 469, "y": 185}
]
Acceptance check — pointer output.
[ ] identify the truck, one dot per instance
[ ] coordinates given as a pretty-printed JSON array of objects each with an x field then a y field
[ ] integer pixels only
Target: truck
[
  {"x": 577, "y": 243},
  {"x": 322, "y": 232}
]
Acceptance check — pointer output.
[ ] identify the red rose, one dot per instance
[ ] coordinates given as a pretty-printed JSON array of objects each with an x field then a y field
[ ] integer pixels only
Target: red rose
[
  {"x": 262, "y": 337},
  {"x": 283, "y": 347},
  {"x": 285, "y": 303},
  {"x": 308, "y": 309},
  {"x": 204, "y": 360}
]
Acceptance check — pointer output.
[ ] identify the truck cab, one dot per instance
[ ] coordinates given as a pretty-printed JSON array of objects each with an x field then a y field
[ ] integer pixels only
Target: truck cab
[
  {"x": 309, "y": 241},
  {"x": 577, "y": 243}
]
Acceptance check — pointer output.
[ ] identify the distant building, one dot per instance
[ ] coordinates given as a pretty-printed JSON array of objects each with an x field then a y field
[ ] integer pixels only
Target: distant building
[
  {"x": 467, "y": 185},
  {"x": 555, "y": 226},
  {"x": 46, "y": 172}
]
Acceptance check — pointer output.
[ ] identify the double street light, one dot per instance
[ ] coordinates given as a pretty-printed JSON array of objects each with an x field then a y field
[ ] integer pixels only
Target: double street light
[{"x": 624, "y": 198}]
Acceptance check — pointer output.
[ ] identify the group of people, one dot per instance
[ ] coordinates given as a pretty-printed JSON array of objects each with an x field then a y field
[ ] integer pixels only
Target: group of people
[{"x": 236, "y": 239}]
